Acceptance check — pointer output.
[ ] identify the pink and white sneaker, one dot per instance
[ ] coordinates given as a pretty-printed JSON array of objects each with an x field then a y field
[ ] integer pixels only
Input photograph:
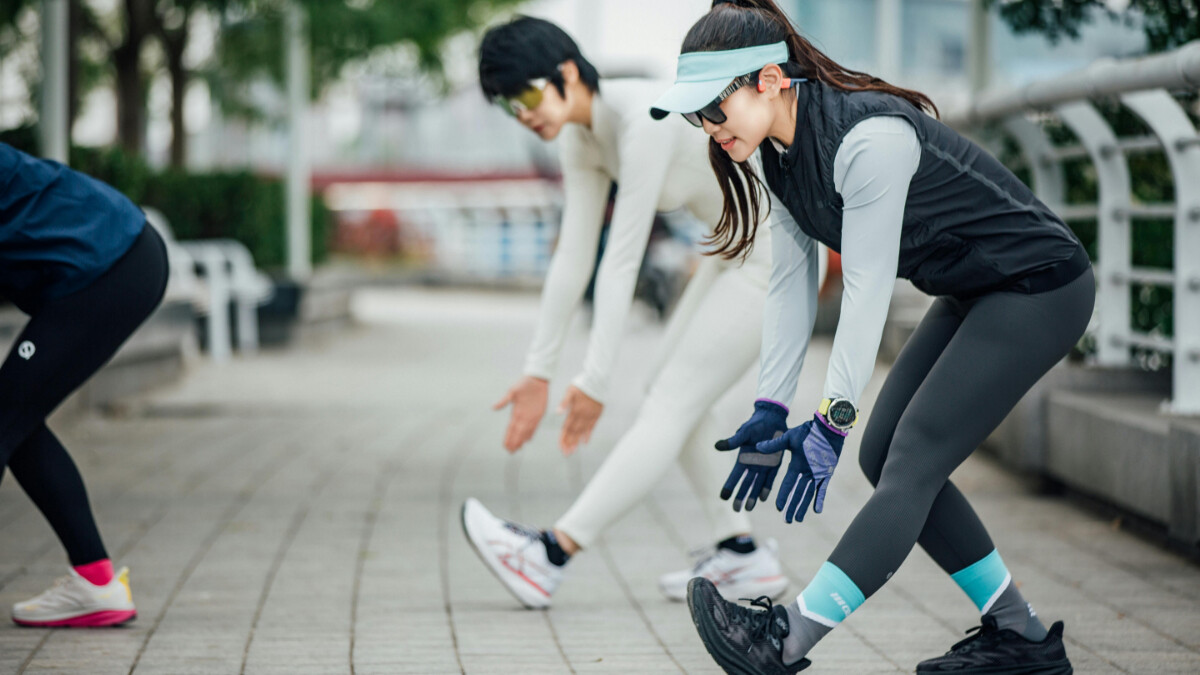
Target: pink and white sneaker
[
  {"x": 736, "y": 575},
  {"x": 514, "y": 553},
  {"x": 76, "y": 602}
]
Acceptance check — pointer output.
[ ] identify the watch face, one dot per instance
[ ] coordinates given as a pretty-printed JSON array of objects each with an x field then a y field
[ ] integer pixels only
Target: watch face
[{"x": 842, "y": 413}]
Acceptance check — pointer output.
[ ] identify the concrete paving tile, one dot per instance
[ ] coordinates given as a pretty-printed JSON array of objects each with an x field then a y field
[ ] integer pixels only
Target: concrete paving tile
[{"x": 307, "y": 521}]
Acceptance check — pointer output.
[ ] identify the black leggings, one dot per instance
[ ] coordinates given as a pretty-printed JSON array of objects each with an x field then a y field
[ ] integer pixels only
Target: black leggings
[
  {"x": 963, "y": 370},
  {"x": 65, "y": 342}
]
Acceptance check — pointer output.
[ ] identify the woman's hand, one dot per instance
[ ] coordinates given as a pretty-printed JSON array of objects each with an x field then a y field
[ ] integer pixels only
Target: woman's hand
[
  {"x": 528, "y": 398},
  {"x": 755, "y": 470},
  {"x": 815, "y": 448},
  {"x": 582, "y": 413}
]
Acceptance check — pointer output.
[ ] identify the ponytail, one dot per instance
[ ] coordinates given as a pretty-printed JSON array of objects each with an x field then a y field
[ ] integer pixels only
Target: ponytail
[{"x": 734, "y": 24}]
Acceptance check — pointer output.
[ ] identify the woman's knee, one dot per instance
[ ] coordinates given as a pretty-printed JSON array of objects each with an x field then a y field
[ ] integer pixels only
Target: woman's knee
[
  {"x": 872, "y": 452},
  {"x": 916, "y": 461}
]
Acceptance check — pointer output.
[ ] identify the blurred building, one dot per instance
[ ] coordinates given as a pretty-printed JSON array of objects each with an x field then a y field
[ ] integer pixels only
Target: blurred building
[
  {"x": 385, "y": 123},
  {"x": 403, "y": 129},
  {"x": 408, "y": 122}
]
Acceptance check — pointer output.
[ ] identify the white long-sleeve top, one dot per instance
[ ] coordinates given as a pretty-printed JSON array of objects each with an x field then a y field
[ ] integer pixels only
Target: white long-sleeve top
[
  {"x": 658, "y": 166},
  {"x": 872, "y": 170}
]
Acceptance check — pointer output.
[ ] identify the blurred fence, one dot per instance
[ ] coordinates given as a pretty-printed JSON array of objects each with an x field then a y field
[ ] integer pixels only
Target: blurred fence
[
  {"x": 471, "y": 230},
  {"x": 1157, "y": 90}
]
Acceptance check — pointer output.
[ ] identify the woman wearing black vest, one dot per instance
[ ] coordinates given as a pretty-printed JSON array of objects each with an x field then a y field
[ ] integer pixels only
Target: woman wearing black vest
[
  {"x": 80, "y": 260},
  {"x": 857, "y": 164}
]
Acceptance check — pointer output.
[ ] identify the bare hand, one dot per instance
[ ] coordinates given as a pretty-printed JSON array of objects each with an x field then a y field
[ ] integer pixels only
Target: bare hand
[
  {"x": 528, "y": 399},
  {"x": 582, "y": 413}
]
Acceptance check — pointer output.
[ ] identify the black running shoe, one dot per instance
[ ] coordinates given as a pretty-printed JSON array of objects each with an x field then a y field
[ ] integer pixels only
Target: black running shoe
[
  {"x": 993, "y": 651},
  {"x": 741, "y": 640}
]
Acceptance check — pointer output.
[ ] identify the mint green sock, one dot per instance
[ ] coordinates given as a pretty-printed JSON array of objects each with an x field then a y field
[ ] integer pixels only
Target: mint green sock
[
  {"x": 827, "y": 600},
  {"x": 989, "y": 585}
]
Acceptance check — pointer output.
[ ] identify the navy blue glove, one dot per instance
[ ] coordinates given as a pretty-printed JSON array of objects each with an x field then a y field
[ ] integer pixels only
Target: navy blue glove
[
  {"x": 755, "y": 469},
  {"x": 815, "y": 448}
]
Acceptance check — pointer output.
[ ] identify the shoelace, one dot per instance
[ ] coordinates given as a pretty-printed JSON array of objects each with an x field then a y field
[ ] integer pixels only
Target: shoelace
[
  {"x": 760, "y": 623},
  {"x": 59, "y": 583},
  {"x": 702, "y": 556},
  {"x": 523, "y": 530},
  {"x": 979, "y": 635}
]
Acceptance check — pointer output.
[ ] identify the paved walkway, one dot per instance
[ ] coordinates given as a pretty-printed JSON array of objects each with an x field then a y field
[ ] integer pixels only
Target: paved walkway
[{"x": 297, "y": 512}]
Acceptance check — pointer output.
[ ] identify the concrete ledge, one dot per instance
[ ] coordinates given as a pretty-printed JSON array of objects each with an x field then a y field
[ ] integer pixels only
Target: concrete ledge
[
  {"x": 1103, "y": 433},
  {"x": 1112, "y": 446},
  {"x": 1099, "y": 431},
  {"x": 1021, "y": 439},
  {"x": 1183, "y": 444},
  {"x": 1120, "y": 448}
]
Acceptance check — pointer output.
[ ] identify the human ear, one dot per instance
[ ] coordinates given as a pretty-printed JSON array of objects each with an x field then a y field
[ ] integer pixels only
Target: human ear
[
  {"x": 569, "y": 72},
  {"x": 770, "y": 80}
]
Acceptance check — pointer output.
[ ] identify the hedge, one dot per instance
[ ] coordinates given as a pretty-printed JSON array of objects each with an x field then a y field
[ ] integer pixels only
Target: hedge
[{"x": 222, "y": 204}]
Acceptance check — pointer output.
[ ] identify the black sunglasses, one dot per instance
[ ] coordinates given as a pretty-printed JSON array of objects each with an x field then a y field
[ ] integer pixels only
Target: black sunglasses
[{"x": 712, "y": 112}]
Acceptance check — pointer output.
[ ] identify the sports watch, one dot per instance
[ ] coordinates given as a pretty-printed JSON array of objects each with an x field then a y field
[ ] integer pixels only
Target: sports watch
[{"x": 838, "y": 413}]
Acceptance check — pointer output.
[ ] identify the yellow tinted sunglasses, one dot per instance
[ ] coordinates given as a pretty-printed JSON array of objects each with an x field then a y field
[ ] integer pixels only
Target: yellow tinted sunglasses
[{"x": 528, "y": 99}]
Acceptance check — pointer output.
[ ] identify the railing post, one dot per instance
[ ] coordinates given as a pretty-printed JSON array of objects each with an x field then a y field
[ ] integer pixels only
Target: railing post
[
  {"x": 1113, "y": 248},
  {"x": 1047, "y": 171},
  {"x": 1178, "y": 136}
]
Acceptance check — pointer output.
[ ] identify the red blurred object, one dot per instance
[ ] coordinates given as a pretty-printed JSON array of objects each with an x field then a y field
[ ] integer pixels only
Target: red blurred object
[
  {"x": 371, "y": 233},
  {"x": 833, "y": 273}
]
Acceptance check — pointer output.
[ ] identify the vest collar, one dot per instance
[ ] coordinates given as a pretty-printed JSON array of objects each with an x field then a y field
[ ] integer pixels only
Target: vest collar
[{"x": 789, "y": 154}]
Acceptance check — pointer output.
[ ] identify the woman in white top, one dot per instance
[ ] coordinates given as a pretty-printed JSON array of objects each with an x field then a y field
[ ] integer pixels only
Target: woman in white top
[{"x": 535, "y": 71}]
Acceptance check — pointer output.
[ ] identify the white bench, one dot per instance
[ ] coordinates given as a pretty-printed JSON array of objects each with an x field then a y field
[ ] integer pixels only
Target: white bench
[{"x": 226, "y": 274}]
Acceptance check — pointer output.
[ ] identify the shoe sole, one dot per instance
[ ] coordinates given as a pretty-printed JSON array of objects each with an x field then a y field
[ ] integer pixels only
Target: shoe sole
[
  {"x": 729, "y": 660},
  {"x": 1057, "y": 668},
  {"x": 773, "y": 589},
  {"x": 93, "y": 620},
  {"x": 491, "y": 567}
]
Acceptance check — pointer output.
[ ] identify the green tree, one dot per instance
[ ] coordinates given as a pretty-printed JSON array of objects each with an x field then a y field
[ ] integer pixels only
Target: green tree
[
  {"x": 1167, "y": 23},
  {"x": 341, "y": 32},
  {"x": 84, "y": 74},
  {"x": 249, "y": 45}
]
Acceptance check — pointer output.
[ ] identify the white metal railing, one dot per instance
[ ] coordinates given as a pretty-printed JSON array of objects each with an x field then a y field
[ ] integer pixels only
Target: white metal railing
[
  {"x": 473, "y": 231},
  {"x": 1143, "y": 86}
]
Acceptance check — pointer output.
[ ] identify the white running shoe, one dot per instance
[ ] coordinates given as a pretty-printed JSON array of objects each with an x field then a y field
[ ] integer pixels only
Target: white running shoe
[
  {"x": 736, "y": 575},
  {"x": 76, "y": 602},
  {"x": 514, "y": 553}
]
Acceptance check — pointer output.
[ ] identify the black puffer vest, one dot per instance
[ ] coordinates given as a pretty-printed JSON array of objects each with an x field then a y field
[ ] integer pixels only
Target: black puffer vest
[{"x": 970, "y": 226}]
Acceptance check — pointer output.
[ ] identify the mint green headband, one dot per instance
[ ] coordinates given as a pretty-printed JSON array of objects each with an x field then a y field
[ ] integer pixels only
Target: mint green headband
[{"x": 700, "y": 76}]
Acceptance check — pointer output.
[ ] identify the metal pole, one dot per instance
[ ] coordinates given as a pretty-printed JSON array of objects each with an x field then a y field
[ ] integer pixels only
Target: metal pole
[
  {"x": 1179, "y": 69},
  {"x": 888, "y": 39},
  {"x": 979, "y": 49},
  {"x": 53, "y": 123},
  {"x": 299, "y": 170}
]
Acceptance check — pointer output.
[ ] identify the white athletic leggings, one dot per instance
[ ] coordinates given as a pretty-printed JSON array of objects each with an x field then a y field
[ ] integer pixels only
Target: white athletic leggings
[{"x": 711, "y": 340}]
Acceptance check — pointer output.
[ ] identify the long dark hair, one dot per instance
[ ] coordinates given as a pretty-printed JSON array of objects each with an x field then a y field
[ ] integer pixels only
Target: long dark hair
[{"x": 748, "y": 23}]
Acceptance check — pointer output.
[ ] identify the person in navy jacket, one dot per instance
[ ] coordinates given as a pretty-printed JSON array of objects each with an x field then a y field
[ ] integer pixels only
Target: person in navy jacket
[{"x": 78, "y": 257}]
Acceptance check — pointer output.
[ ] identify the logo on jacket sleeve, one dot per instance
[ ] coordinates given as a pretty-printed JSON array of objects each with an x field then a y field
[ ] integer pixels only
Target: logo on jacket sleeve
[{"x": 26, "y": 350}]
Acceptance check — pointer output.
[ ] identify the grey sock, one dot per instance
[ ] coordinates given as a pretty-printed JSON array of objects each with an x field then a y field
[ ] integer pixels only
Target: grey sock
[
  {"x": 803, "y": 634},
  {"x": 1012, "y": 612}
]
